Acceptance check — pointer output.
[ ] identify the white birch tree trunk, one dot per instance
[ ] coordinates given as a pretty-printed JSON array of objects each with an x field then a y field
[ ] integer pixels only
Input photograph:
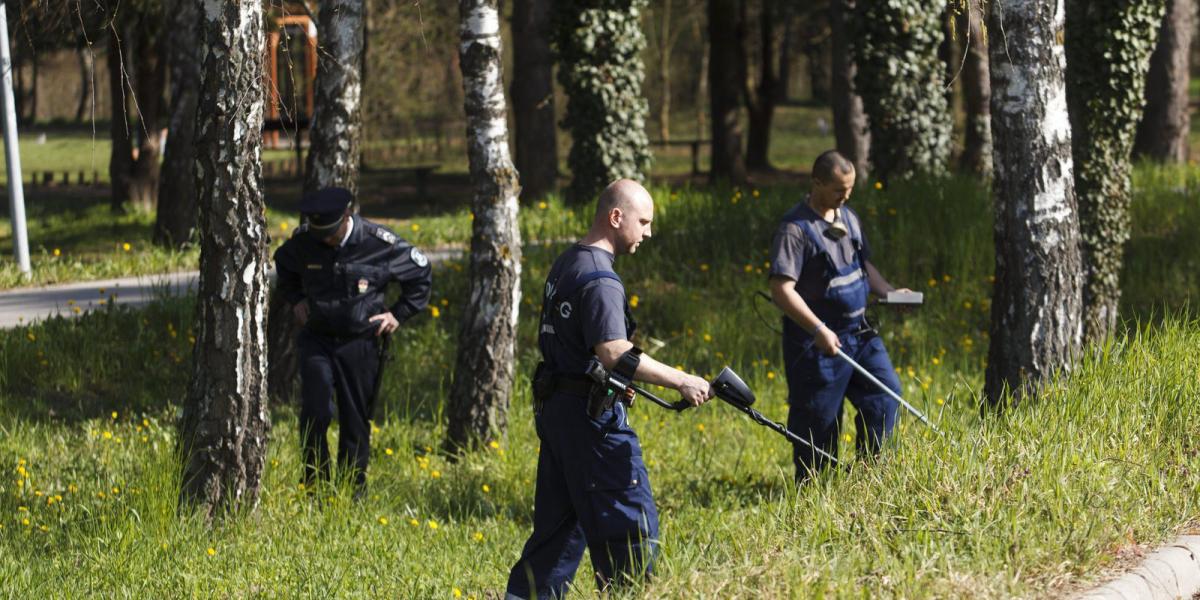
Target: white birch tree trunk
[
  {"x": 483, "y": 376},
  {"x": 223, "y": 432},
  {"x": 1037, "y": 324},
  {"x": 336, "y": 130}
]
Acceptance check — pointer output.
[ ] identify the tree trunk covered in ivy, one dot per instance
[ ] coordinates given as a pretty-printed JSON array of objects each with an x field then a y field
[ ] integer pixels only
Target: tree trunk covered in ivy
[
  {"x": 761, "y": 89},
  {"x": 1036, "y": 326},
  {"x": 483, "y": 374},
  {"x": 599, "y": 45},
  {"x": 533, "y": 98},
  {"x": 850, "y": 126},
  {"x": 900, "y": 80},
  {"x": 977, "y": 93},
  {"x": 336, "y": 130},
  {"x": 223, "y": 431},
  {"x": 724, "y": 91},
  {"x": 1108, "y": 46},
  {"x": 175, "y": 219},
  {"x": 1163, "y": 133}
]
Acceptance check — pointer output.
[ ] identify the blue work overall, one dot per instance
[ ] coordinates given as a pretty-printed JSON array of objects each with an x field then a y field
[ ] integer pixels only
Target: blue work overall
[
  {"x": 817, "y": 382},
  {"x": 592, "y": 487}
]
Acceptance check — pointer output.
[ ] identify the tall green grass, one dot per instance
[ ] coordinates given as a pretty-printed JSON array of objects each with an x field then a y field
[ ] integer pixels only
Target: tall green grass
[{"x": 1025, "y": 504}]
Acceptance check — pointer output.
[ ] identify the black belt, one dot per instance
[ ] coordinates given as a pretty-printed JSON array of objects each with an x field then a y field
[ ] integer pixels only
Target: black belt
[{"x": 576, "y": 385}]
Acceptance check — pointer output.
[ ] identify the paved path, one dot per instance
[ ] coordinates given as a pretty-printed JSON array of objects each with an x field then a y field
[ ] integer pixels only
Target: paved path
[
  {"x": 1172, "y": 571},
  {"x": 27, "y": 305}
]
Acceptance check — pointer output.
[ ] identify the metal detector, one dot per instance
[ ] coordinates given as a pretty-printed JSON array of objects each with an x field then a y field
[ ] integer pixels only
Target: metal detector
[{"x": 727, "y": 386}]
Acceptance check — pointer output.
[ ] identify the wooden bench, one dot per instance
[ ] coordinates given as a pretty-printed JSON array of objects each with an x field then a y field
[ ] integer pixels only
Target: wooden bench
[{"x": 695, "y": 145}]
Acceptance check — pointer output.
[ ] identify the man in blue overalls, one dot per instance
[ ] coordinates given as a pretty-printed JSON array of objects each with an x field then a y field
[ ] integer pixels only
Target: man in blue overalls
[
  {"x": 592, "y": 488},
  {"x": 820, "y": 276}
]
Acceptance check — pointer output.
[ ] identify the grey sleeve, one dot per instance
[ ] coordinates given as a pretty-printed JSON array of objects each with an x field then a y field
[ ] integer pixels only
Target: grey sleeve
[
  {"x": 602, "y": 312},
  {"x": 787, "y": 252}
]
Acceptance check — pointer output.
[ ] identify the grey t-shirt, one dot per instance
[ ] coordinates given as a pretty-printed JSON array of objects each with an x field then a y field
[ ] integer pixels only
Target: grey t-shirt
[
  {"x": 796, "y": 257},
  {"x": 577, "y": 321}
]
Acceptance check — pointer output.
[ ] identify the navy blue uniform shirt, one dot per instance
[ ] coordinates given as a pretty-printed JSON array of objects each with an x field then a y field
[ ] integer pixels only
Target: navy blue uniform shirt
[
  {"x": 572, "y": 326},
  {"x": 345, "y": 286}
]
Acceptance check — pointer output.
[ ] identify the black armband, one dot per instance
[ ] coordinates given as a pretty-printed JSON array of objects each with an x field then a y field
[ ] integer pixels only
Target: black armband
[{"x": 628, "y": 363}]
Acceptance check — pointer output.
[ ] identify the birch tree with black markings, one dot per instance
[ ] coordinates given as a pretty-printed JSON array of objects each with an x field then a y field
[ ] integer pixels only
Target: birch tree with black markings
[
  {"x": 223, "y": 431},
  {"x": 1037, "y": 324},
  {"x": 483, "y": 374}
]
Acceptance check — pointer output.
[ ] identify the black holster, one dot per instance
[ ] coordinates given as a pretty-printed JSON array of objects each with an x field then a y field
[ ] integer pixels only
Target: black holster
[{"x": 543, "y": 386}]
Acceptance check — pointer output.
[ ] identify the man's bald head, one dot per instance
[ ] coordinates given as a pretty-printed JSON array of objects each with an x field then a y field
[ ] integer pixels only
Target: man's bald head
[
  {"x": 623, "y": 215},
  {"x": 622, "y": 194}
]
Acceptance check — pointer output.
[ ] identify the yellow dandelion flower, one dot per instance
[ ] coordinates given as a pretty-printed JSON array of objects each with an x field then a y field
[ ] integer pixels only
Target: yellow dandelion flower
[
  {"x": 127, "y": 246},
  {"x": 542, "y": 205},
  {"x": 212, "y": 551},
  {"x": 493, "y": 444},
  {"x": 707, "y": 337},
  {"x": 388, "y": 451},
  {"x": 457, "y": 593},
  {"x": 116, "y": 490},
  {"x": 436, "y": 474},
  {"x": 445, "y": 302},
  {"x": 108, "y": 435},
  {"x": 413, "y": 522},
  {"x": 434, "y": 312},
  {"x": 967, "y": 304},
  {"x": 941, "y": 401},
  {"x": 754, "y": 193},
  {"x": 633, "y": 301},
  {"x": 76, "y": 309},
  {"x": 700, "y": 427},
  {"x": 22, "y": 509},
  {"x": 487, "y": 489},
  {"x": 25, "y": 522},
  {"x": 114, "y": 415},
  {"x": 383, "y": 520},
  {"x": 770, "y": 374},
  {"x": 433, "y": 524},
  {"x": 416, "y": 227},
  {"x": 31, "y": 337},
  {"x": 57, "y": 252},
  {"x": 704, "y": 266},
  {"x": 846, "y": 437},
  {"x": 946, "y": 278},
  {"x": 283, "y": 226},
  {"x": 477, "y": 536},
  {"x": 879, "y": 185}
]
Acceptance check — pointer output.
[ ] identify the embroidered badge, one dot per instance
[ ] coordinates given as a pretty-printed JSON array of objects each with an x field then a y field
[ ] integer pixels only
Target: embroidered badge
[
  {"x": 316, "y": 267},
  {"x": 363, "y": 284},
  {"x": 418, "y": 258},
  {"x": 385, "y": 235}
]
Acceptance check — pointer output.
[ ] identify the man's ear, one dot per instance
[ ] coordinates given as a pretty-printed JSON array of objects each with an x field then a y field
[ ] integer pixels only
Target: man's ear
[{"x": 614, "y": 217}]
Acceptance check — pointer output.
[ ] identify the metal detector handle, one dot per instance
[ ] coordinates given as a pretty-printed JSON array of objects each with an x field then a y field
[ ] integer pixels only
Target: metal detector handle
[{"x": 603, "y": 377}]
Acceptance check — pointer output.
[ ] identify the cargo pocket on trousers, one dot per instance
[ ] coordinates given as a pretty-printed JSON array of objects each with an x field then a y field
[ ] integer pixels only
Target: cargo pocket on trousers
[{"x": 620, "y": 499}]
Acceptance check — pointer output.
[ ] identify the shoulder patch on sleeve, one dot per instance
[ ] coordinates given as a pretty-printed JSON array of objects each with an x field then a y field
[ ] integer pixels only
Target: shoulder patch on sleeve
[
  {"x": 417, "y": 257},
  {"x": 385, "y": 235}
]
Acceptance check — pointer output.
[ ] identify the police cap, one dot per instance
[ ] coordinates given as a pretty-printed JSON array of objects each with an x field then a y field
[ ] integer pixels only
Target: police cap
[{"x": 325, "y": 208}]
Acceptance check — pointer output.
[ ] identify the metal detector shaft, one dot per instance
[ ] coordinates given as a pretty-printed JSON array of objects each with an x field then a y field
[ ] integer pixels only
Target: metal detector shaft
[
  {"x": 910, "y": 408},
  {"x": 779, "y": 428}
]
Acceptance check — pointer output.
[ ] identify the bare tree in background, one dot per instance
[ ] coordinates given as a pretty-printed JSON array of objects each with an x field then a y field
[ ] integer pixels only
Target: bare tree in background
[
  {"x": 483, "y": 374},
  {"x": 1037, "y": 303},
  {"x": 977, "y": 92},
  {"x": 760, "y": 87},
  {"x": 724, "y": 90},
  {"x": 850, "y": 126},
  {"x": 223, "y": 431},
  {"x": 175, "y": 218},
  {"x": 1163, "y": 132},
  {"x": 533, "y": 98}
]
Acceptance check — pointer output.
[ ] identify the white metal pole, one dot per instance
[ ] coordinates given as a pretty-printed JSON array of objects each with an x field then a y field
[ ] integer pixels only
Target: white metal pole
[{"x": 12, "y": 152}]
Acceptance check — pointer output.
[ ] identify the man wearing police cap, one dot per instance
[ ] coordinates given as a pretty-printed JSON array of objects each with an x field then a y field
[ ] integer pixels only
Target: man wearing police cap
[{"x": 334, "y": 271}]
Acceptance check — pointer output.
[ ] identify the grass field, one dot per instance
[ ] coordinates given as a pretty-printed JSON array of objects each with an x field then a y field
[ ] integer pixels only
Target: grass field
[{"x": 1029, "y": 504}]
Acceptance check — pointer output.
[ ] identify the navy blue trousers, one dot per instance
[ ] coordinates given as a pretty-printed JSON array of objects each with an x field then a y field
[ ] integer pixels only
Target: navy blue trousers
[
  {"x": 817, "y": 385},
  {"x": 592, "y": 492},
  {"x": 344, "y": 371}
]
